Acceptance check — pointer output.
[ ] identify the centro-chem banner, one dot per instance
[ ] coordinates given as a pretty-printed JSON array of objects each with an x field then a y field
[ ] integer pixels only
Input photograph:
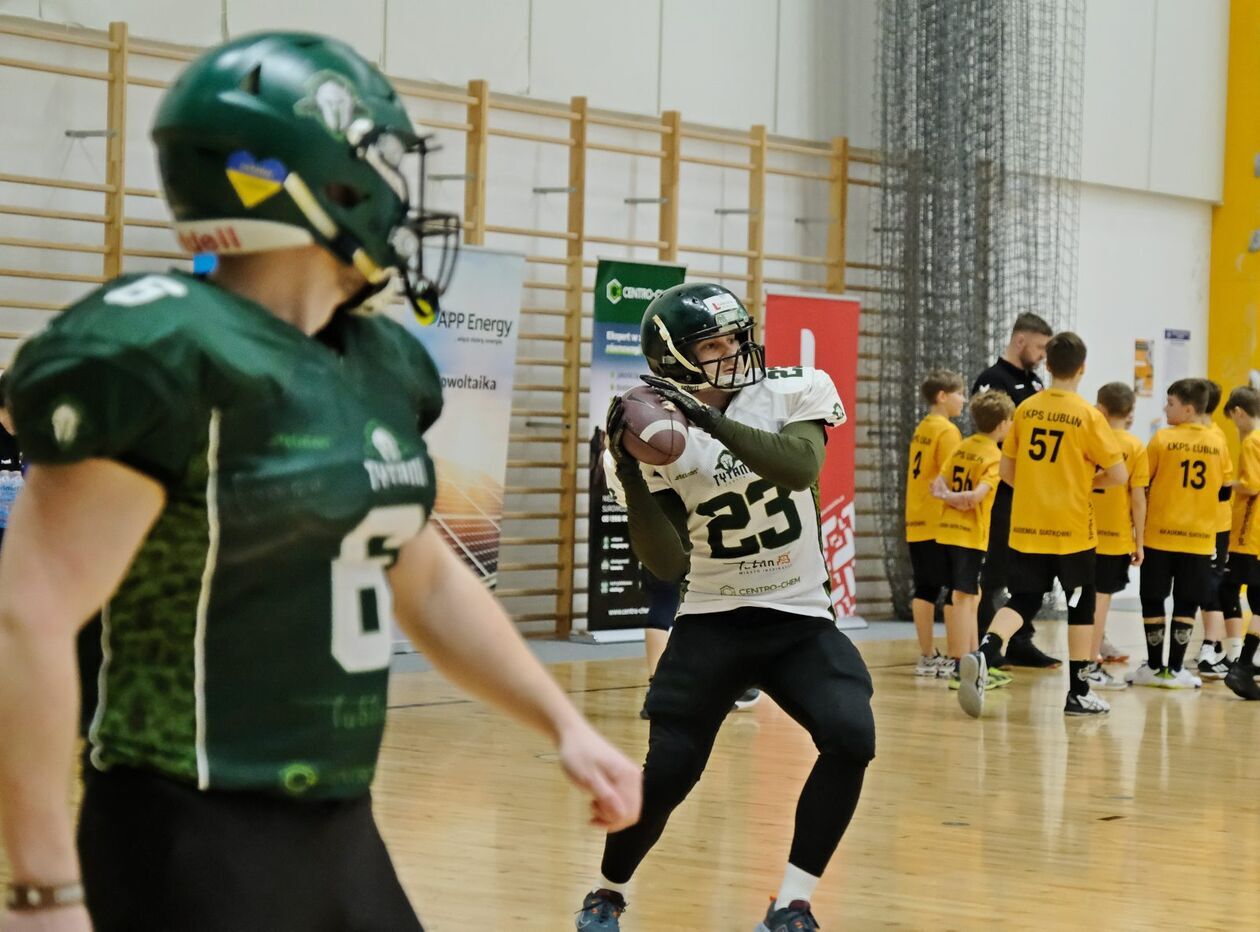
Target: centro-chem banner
[
  {"x": 473, "y": 345},
  {"x": 623, "y": 291}
]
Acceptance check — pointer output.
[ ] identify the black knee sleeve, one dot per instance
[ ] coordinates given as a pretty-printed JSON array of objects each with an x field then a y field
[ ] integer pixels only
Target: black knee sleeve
[
  {"x": 1183, "y": 607},
  {"x": 1027, "y": 604},
  {"x": 927, "y": 593},
  {"x": 1231, "y": 600},
  {"x": 1081, "y": 604},
  {"x": 1152, "y": 607}
]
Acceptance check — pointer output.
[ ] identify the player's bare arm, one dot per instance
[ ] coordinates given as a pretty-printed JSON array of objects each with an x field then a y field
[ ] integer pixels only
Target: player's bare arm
[
  {"x": 1116, "y": 474},
  {"x": 72, "y": 535}
]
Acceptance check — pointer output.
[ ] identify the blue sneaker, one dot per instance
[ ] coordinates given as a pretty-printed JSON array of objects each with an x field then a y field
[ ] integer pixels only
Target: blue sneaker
[
  {"x": 601, "y": 912},
  {"x": 795, "y": 917}
]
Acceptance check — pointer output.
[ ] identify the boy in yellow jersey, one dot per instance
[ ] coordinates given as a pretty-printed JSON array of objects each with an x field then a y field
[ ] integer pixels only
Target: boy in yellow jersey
[
  {"x": 1058, "y": 451},
  {"x": 934, "y": 439},
  {"x": 1212, "y": 663},
  {"x": 967, "y": 484},
  {"x": 1190, "y": 472},
  {"x": 1120, "y": 513},
  {"x": 1243, "y": 568}
]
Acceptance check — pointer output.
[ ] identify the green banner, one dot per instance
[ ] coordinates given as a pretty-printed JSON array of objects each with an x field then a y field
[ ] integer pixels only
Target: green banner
[{"x": 623, "y": 291}]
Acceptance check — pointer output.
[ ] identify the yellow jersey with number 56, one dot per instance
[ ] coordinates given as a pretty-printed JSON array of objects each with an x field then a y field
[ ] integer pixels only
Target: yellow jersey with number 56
[{"x": 1057, "y": 443}]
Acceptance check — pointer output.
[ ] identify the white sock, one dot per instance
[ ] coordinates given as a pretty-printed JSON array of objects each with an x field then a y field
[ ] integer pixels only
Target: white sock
[
  {"x": 797, "y": 885},
  {"x": 606, "y": 884},
  {"x": 1233, "y": 647}
]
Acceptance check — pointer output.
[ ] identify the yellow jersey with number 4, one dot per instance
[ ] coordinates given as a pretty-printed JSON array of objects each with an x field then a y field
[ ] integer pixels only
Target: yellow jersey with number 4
[
  {"x": 934, "y": 440},
  {"x": 1057, "y": 443},
  {"x": 1189, "y": 464}
]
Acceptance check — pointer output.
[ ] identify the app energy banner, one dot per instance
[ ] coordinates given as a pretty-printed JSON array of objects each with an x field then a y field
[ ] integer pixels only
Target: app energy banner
[
  {"x": 623, "y": 290},
  {"x": 473, "y": 345},
  {"x": 822, "y": 331}
]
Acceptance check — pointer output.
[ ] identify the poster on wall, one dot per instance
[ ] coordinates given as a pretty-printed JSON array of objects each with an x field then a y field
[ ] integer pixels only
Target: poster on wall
[
  {"x": 473, "y": 345},
  {"x": 1143, "y": 368},
  {"x": 615, "y": 597},
  {"x": 821, "y": 331}
]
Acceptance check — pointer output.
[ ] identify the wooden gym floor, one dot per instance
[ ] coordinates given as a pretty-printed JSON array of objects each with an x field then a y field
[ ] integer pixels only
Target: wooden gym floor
[{"x": 1146, "y": 819}]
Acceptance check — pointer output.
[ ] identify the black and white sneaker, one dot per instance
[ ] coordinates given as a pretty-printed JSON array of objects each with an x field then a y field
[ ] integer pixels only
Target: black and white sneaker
[
  {"x": 1215, "y": 668},
  {"x": 747, "y": 701},
  {"x": 1241, "y": 680},
  {"x": 1088, "y": 704}
]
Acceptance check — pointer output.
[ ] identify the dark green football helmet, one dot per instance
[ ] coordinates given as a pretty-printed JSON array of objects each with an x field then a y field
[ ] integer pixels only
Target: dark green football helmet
[
  {"x": 281, "y": 139},
  {"x": 686, "y": 315}
]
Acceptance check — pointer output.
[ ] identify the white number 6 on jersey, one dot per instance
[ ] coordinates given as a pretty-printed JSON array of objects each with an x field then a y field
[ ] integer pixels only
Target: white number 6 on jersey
[{"x": 362, "y": 603}]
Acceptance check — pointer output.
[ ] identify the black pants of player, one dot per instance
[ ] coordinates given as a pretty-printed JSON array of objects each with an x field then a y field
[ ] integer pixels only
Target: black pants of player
[
  {"x": 158, "y": 855},
  {"x": 808, "y": 667},
  {"x": 995, "y": 571}
]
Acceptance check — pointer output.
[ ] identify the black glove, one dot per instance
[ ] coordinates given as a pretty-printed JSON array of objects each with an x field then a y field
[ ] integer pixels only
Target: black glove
[
  {"x": 614, "y": 425},
  {"x": 694, "y": 410}
]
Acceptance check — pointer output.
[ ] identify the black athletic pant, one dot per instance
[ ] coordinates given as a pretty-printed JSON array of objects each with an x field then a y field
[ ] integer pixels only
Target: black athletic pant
[
  {"x": 160, "y": 856},
  {"x": 808, "y": 667},
  {"x": 994, "y": 573}
]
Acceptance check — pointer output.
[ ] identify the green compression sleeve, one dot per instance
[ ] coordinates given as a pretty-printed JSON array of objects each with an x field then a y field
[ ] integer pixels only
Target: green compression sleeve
[{"x": 790, "y": 459}]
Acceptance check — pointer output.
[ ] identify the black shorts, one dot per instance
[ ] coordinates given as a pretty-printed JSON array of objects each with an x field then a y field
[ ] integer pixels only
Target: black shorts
[
  {"x": 1242, "y": 569},
  {"x": 1111, "y": 573},
  {"x": 804, "y": 663},
  {"x": 1187, "y": 576},
  {"x": 963, "y": 568},
  {"x": 927, "y": 562},
  {"x": 158, "y": 854},
  {"x": 1035, "y": 573}
]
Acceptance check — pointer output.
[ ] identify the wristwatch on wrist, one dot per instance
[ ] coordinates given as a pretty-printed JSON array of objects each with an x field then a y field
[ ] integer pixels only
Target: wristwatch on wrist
[{"x": 28, "y": 897}]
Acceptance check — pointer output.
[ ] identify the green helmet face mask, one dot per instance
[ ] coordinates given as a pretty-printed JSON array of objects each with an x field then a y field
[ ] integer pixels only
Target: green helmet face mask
[
  {"x": 686, "y": 315},
  {"x": 278, "y": 140}
]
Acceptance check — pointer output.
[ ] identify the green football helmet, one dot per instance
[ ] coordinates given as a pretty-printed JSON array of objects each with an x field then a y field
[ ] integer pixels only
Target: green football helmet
[
  {"x": 281, "y": 139},
  {"x": 682, "y": 317}
]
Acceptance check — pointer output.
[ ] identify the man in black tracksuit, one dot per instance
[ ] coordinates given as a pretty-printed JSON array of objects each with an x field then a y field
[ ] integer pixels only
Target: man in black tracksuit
[{"x": 1013, "y": 373}]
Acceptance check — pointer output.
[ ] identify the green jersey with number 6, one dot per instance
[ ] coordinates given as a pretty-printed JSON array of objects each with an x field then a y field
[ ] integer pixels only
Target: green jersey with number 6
[
  {"x": 248, "y": 646},
  {"x": 753, "y": 544}
]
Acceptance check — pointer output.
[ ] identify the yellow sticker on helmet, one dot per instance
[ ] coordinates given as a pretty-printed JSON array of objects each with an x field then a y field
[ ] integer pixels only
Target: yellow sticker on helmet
[{"x": 255, "y": 180}]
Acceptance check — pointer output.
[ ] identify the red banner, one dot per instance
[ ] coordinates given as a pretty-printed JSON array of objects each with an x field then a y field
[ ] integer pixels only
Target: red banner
[{"x": 822, "y": 331}]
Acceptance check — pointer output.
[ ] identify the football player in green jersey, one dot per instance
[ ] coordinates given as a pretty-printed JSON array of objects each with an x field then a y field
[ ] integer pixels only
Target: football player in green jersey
[{"x": 235, "y": 469}]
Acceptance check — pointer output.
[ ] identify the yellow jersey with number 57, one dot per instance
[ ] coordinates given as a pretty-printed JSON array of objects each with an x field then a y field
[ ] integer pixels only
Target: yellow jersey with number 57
[{"x": 1057, "y": 442}]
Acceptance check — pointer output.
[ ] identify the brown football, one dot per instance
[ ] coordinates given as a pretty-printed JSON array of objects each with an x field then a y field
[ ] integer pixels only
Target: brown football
[{"x": 655, "y": 430}]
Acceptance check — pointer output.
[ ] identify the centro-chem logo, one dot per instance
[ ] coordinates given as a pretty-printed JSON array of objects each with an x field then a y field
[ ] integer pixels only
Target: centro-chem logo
[{"x": 615, "y": 291}]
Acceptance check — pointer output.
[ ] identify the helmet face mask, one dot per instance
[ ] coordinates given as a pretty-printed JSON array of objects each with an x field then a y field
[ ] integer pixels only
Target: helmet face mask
[
  {"x": 282, "y": 139},
  {"x": 681, "y": 319}
]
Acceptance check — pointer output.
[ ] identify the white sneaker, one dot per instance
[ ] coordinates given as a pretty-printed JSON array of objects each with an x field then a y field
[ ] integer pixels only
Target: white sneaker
[
  {"x": 1190, "y": 680},
  {"x": 1111, "y": 653},
  {"x": 1207, "y": 653},
  {"x": 1141, "y": 676},
  {"x": 1101, "y": 679},
  {"x": 1088, "y": 704},
  {"x": 928, "y": 665},
  {"x": 944, "y": 667}
]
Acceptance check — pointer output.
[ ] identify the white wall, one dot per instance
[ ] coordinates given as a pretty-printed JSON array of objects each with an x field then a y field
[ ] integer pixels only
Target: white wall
[
  {"x": 1143, "y": 269},
  {"x": 1154, "y": 98}
]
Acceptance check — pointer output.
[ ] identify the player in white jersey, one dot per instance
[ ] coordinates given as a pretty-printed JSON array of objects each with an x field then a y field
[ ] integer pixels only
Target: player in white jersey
[{"x": 736, "y": 519}]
